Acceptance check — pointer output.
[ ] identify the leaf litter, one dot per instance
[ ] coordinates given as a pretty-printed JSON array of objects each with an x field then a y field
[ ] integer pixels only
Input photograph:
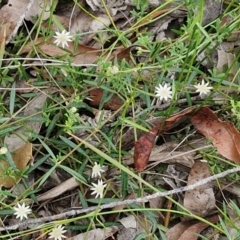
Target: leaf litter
[{"x": 148, "y": 153}]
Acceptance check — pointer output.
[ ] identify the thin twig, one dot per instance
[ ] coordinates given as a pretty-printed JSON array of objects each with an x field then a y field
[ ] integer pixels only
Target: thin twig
[{"x": 36, "y": 222}]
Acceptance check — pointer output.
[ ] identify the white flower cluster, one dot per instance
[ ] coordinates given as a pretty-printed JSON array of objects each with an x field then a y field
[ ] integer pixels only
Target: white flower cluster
[
  {"x": 164, "y": 91},
  {"x": 99, "y": 187},
  {"x": 22, "y": 211}
]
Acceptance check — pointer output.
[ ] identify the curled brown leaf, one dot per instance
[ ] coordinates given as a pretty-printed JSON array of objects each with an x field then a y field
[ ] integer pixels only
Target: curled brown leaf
[
  {"x": 225, "y": 137},
  {"x": 143, "y": 149}
]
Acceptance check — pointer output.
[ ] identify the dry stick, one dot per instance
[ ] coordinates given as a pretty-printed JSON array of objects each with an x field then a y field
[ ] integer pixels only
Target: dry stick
[{"x": 32, "y": 222}]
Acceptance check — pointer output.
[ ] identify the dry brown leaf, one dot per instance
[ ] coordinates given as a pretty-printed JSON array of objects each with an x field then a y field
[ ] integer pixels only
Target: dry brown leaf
[
  {"x": 143, "y": 148},
  {"x": 129, "y": 233},
  {"x": 121, "y": 53},
  {"x": 191, "y": 232},
  {"x": 5, "y": 30},
  {"x": 233, "y": 215},
  {"x": 154, "y": 15},
  {"x": 201, "y": 200},
  {"x": 15, "y": 11},
  {"x": 212, "y": 9},
  {"x": 177, "y": 230},
  {"x": 21, "y": 158},
  {"x": 176, "y": 119},
  {"x": 98, "y": 233},
  {"x": 227, "y": 60},
  {"x": 18, "y": 138},
  {"x": 225, "y": 137},
  {"x": 127, "y": 139},
  {"x": 10, "y": 15},
  {"x": 81, "y": 55},
  {"x": 67, "y": 185},
  {"x": 96, "y": 96},
  {"x": 128, "y": 222},
  {"x": 40, "y": 8}
]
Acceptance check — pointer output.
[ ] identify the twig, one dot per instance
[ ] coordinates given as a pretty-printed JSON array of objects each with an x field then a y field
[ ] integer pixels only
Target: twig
[{"x": 36, "y": 222}]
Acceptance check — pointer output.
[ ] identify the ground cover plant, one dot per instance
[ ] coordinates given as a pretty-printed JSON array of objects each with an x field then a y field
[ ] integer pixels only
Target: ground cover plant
[{"x": 119, "y": 119}]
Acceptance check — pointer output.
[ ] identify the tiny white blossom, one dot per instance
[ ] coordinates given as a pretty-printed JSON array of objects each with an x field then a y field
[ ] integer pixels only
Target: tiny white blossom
[
  {"x": 139, "y": 50},
  {"x": 63, "y": 38},
  {"x": 3, "y": 150},
  {"x": 112, "y": 70},
  {"x": 73, "y": 109},
  {"x": 57, "y": 233},
  {"x": 22, "y": 211},
  {"x": 98, "y": 188},
  {"x": 97, "y": 170},
  {"x": 202, "y": 88},
  {"x": 163, "y": 92}
]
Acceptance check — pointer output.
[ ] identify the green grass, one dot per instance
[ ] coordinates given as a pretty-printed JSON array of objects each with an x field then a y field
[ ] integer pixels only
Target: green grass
[{"x": 69, "y": 144}]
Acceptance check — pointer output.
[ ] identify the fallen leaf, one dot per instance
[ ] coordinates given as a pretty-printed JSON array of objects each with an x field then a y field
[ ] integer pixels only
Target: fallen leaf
[
  {"x": 40, "y": 8},
  {"x": 96, "y": 97},
  {"x": 226, "y": 60},
  {"x": 121, "y": 53},
  {"x": 21, "y": 158},
  {"x": 11, "y": 13},
  {"x": 191, "y": 232},
  {"x": 67, "y": 185},
  {"x": 225, "y": 137},
  {"x": 177, "y": 230},
  {"x": 80, "y": 55},
  {"x": 233, "y": 215},
  {"x": 143, "y": 148},
  {"x": 5, "y": 30},
  {"x": 201, "y": 200},
  {"x": 128, "y": 222},
  {"x": 137, "y": 226},
  {"x": 98, "y": 233},
  {"x": 212, "y": 9},
  {"x": 176, "y": 119},
  {"x": 14, "y": 12},
  {"x": 33, "y": 108}
]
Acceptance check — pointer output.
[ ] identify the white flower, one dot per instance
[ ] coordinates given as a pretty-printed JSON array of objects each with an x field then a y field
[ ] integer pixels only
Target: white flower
[
  {"x": 73, "y": 109},
  {"x": 97, "y": 170},
  {"x": 63, "y": 38},
  {"x": 203, "y": 88},
  {"x": 163, "y": 92},
  {"x": 3, "y": 150},
  {"x": 57, "y": 233},
  {"x": 98, "y": 188},
  {"x": 22, "y": 211},
  {"x": 112, "y": 70}
]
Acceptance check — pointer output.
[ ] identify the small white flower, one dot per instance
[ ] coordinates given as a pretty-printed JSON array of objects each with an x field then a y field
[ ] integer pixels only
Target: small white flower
[
  {"x": 63, "y": 38},
  {"x": 73, "y": 109},
  {"x": 139, "y": 51},
  {"x": 112, "y": 70},
  {"x": 22, "y": 211},
  {"x": 98, "y": 188},
  {"x": 202, "y": 88},
  {"x": 163, "y": 92},
  {"x": 57, "y": 233},
  {"x": 3, "y": 150},
  {"x": 97, "y": 170}
]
